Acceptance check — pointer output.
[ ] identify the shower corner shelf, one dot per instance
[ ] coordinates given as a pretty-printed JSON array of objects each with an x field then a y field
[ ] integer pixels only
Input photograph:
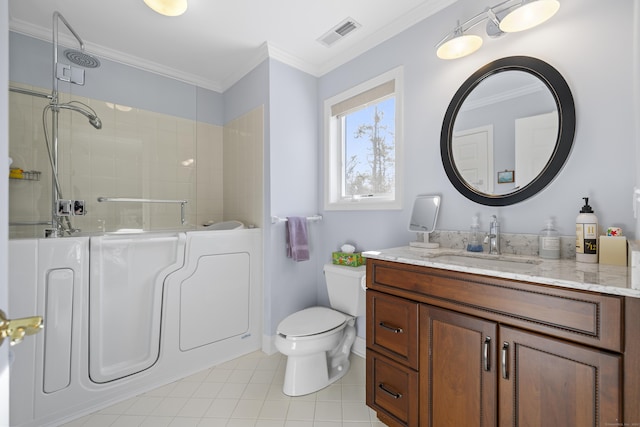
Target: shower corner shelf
[{"x": 27, "y": 176}]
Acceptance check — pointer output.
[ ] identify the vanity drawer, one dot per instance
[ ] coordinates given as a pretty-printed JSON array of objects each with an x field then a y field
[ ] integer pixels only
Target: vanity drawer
[
  {"x": 392, "y": 390},
  {"x": 393, "y": 329},
  {"x": 580, "y": 316}
]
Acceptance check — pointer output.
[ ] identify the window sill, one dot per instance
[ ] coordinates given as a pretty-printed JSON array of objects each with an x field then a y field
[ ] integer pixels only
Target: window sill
[{"x": 363, "y": 205}]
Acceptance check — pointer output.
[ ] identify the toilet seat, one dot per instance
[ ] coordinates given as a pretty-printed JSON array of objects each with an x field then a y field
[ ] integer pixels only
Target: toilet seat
[{"x": 311, "y": 321}]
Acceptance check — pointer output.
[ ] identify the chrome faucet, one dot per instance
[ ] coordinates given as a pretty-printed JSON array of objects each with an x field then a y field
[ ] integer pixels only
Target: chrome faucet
[{"x": 493, "y": 238}]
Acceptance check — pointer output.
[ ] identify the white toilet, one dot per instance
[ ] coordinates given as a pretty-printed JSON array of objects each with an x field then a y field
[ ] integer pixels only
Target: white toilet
[{"x": 317, "y": 340}]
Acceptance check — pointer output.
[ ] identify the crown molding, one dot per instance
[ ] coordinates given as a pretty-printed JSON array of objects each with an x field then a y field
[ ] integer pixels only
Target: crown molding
[
  {"x": 45, "y": 35},
  {"x": 265, "y": 51}
]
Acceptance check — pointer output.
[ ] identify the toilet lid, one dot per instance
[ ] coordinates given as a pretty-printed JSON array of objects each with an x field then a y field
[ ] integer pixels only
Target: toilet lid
[{"x": 311, "y": 321}]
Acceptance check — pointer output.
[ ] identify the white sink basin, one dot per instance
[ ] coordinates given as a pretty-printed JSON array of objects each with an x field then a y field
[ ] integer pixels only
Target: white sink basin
[{"x": 493, "y": 262}]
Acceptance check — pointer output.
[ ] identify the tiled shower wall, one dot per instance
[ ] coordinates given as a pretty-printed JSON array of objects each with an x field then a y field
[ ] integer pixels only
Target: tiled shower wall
[
  {"x": 243, "y": 154},
  {"x": 136, "y": 154}
]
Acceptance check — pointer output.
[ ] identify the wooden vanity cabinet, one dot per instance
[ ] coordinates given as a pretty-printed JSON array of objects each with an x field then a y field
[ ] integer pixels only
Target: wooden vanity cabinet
[{"x": 543, "y": 357}]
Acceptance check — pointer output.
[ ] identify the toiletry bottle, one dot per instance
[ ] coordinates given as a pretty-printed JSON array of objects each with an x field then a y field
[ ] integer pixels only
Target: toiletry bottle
[
  {"x": 474, "y": 244},
  {"x": 549, "y": 242},
  {"x": 587, "y": 234}
]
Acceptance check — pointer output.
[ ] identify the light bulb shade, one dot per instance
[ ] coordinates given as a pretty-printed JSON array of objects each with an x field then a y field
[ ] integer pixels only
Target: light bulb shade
[
  {"x": 168, "y": 7},
  {"x": 459, "y": 46},
  {"x": 528, "y": 15}
]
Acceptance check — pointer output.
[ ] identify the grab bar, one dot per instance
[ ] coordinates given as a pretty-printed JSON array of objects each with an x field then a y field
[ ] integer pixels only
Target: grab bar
[
  {"x": 30, "y": 223},
  {"x": 276, "y": 219},
  {"x": 30, "y": 92},
  {"x": 131, "y": 200}
]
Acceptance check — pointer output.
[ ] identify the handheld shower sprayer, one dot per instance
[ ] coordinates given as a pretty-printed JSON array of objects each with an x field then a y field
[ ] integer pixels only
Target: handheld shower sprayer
[
  {"x": 78, "y": 107},
  {"x": 87, "y": 111}
]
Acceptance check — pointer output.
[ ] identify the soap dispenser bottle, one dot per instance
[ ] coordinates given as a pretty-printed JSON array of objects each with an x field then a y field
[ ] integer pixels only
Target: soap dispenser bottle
[
  {"x": 549, "y": 242},
  {"x": 474, "y": 244},
  {"x": 587, "y": 234}
]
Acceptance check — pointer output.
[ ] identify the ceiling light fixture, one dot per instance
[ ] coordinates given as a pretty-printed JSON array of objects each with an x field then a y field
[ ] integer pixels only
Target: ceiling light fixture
[
  {"x": 168, "y": 7},
  {"x": 507, "y": 17}
]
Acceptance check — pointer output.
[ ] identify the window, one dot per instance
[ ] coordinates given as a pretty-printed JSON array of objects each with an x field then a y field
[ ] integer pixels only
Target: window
[{"x": 363, "y": 146}]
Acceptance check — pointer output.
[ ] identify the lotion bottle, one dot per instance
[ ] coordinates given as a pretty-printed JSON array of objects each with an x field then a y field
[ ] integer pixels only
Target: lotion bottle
[
  {"x": 549, "y": 242},
  {"x": 587, "y": 234}
]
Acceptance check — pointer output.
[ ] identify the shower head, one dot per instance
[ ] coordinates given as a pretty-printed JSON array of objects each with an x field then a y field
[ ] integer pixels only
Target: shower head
[
  {"x": 87, "y": 111},
  {"x": 66, "y": 72},
  {"x": 81, "y": 58}
]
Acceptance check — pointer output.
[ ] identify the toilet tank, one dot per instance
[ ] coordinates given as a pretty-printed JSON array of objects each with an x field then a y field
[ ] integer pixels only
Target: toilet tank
[{"x": 346, "y": 288}]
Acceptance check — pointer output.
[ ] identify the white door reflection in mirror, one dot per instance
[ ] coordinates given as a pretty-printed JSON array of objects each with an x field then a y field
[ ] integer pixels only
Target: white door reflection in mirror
[
  {"x": 473, "y": 152},
  {"x": 535, "y": 143},
  {"x": 498, "y": 103}
]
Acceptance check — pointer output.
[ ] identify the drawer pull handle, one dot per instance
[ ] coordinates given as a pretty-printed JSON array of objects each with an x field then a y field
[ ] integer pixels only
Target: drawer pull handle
[
  {"x": 505, "y": 350},
  {"x": 391, "y": 393},
  {"x": 391, "y": 328},
  {"x": 485, "y": 354}
]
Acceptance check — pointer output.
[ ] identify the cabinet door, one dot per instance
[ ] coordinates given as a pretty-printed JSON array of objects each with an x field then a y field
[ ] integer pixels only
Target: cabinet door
[
  {"x": 549, "y": 382},
  {"x": 458, "y": 369}
]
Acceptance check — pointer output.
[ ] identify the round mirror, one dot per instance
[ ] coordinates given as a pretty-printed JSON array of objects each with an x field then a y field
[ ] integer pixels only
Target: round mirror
[{"x": 508, "y": 131}]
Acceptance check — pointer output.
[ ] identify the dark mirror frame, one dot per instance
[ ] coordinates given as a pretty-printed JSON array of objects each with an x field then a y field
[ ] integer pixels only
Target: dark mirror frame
[{"x": 566, "y": 128}]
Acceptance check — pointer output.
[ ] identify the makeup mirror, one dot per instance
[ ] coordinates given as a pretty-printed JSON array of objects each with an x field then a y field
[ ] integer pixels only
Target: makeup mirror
[{"x": 423, "y": 219}]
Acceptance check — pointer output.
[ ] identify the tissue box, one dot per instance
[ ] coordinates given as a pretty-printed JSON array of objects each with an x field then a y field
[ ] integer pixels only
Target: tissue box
[
  {"x": 613, "y": 250},
  {"x": 349, "y": 259}
]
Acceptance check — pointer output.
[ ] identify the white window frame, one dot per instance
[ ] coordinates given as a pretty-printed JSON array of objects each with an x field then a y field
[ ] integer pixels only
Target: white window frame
[{"x": 333, "y": 150}]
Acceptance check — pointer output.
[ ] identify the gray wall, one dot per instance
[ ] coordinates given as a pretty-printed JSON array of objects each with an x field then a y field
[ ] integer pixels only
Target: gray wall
[
  {"x": 588, "y": 41},
  {"x": 247, "y": 94},
  {"x": 293, "y": 175}
]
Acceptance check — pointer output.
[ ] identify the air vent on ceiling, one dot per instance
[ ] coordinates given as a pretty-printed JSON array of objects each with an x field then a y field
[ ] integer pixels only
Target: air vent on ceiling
[{"x": 339, "y": 31}]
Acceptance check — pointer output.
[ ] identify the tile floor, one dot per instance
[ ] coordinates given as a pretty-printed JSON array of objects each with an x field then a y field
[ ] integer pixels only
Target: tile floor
[{"x": 243, "y": 392}]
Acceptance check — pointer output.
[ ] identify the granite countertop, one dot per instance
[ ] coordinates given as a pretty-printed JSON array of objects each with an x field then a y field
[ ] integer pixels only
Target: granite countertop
[{"x": 566, "y": 273}]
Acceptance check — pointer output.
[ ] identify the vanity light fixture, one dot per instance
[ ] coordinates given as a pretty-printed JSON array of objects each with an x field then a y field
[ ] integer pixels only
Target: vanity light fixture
[
  {"x": 528, "y": 15},
  {"x": 459, "y": 45},
  {"x": 507, "y": 17},
  {"x": 168, "y": 7}
]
